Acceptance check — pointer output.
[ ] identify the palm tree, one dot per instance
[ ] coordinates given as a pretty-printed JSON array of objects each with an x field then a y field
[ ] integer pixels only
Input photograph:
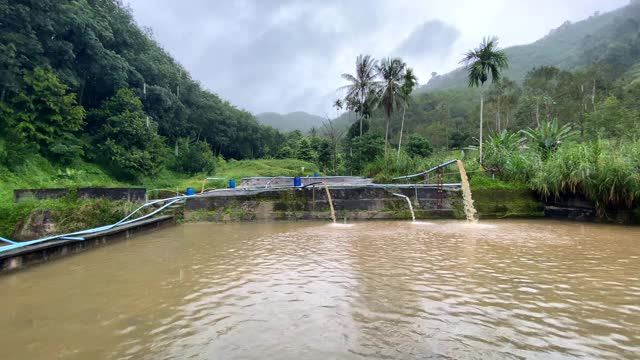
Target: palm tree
[
  {"x": 361, "y": 83},
  {"x": 391, "y": 71},
  {"x": 409, "y": 82},
  {"x": 482, "y": 62},
  {"x": 338, "y": 105}
]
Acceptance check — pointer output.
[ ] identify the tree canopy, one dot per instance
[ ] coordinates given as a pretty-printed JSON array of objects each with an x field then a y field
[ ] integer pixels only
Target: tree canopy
[{"x": 67, "y": 68}]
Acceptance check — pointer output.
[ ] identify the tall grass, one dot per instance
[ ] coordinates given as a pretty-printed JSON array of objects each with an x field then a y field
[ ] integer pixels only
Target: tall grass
[
  {"x": 505, "y": 158},
  {"x": 384, "y": 169},
  {"x": 604, "y": 172}
]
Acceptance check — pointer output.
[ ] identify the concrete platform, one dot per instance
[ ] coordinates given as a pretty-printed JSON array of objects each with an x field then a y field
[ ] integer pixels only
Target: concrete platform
[
  {"x": 43, "y": 252},
  {"x": 280, "y": 181}
]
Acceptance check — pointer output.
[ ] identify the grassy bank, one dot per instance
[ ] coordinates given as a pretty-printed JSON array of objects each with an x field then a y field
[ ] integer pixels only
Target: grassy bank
[
  {"x": 227, "y": 170},
  {"x": 72, "y": 214}
]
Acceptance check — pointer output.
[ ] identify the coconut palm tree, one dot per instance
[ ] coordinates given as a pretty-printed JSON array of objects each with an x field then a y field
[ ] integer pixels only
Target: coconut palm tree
[
  {"x": 391, "y": 72},
  {"x": 338, "y": 105},
  {"x": 360, "y": 84},
  {"x": 482, "y": 62},
  {"x": 409, "y": 82}
]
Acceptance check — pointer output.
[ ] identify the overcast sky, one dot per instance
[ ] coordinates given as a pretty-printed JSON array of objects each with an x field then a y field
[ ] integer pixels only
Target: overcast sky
[{"x": 286, "y": 55}]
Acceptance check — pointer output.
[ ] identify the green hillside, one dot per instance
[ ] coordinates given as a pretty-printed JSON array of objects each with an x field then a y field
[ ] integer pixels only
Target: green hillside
[
  {"x": 611, "y": 37},
  {"x": 298, "y": 120},
  {"x": 81, "y": 82}
]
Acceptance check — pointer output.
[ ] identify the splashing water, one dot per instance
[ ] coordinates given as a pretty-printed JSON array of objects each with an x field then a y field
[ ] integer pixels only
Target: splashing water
[{"x": 469, "y": 209}]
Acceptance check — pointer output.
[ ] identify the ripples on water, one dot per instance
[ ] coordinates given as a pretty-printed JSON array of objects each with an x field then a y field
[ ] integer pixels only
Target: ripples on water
[{"x": 382, "y": 290}]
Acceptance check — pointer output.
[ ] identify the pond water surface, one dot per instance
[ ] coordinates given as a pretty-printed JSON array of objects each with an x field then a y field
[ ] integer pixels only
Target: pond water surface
[{"x": 306, "y": 290}]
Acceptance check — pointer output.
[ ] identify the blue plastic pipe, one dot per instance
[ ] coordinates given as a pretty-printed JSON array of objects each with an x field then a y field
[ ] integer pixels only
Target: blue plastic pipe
[
  {"x": 73, "y": 236},
  {"x": 426, "y": 172},
  {"x": 7, "y": 240}
]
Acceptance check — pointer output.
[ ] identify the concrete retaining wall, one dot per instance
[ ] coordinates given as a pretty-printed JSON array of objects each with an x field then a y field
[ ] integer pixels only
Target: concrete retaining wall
[
  {"x": 39, "y": 194},
  {"x": 362, "y": 202},
  {"x": 580, "y": 209},
  {"x": 31, "y": 255},
  {"x": 128, "y": 194}
]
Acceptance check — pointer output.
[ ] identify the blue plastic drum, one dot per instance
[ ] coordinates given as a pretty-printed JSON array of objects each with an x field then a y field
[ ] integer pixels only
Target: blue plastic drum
[
  {"x": 190, "y": 192},
  {"x": 297, "y": 182},
  {"x": 232, "y": 184}
]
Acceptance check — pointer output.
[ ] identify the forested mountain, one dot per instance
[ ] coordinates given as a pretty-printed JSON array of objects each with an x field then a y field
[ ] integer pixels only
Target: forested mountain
[
  {"x": 298, "y": 120},
  {"x": 80, "y": 80},
  {"x": 584, "y": 75},
  {"x": 612, "y": 38}
]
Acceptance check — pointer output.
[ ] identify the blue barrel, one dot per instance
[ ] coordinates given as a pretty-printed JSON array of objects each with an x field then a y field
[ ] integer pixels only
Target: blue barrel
[
  {"x": 232, "y": 184},
  {"x": 190, "y": 191},
  {"x": 315, "y": 174},
  {"x": 297, "y": 181}
]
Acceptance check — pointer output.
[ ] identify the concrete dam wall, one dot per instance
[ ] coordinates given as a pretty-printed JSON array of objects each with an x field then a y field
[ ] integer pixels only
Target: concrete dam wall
[{"x": 353, "y": 202}]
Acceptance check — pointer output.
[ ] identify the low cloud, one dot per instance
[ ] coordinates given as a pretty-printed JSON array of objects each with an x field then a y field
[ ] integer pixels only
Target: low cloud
[
  {"x": 433, "y": 38},
  {"x": 287, "y": 55}
]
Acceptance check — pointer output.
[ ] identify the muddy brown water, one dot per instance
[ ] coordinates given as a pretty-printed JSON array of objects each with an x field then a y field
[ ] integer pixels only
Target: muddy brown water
[{"x": 378, "y": 290}]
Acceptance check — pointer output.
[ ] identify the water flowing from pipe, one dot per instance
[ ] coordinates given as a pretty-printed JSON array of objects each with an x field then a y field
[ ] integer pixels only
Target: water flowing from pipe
[
  {"x": 333, "y": 211},
  {"x": 413, "y": 214},
  {"x": 469, "y": 209}
]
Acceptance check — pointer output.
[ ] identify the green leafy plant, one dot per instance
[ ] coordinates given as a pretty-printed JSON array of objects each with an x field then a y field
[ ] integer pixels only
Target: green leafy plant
[{"x": 549, "y": 135}]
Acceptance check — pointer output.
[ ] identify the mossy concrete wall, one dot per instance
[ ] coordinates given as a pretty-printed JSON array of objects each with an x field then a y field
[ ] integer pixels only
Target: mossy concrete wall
[
  {"x": 498, "y": 203},
  {"x": 581, "y": 209},
  {"x": 359, "y": 203}
]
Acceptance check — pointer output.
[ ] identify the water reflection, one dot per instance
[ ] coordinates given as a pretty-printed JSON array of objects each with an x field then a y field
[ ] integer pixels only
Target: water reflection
[{"x": 510, "y": 289}]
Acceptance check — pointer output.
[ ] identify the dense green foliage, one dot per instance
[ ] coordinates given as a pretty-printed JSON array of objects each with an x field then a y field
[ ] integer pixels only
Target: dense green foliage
[
  {"x": 81, "y": 81},
  {"x": 594, "y": 102}
]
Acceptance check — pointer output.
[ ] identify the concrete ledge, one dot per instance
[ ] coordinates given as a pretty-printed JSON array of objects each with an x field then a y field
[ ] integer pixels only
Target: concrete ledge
[{"x": 39, "y": 253}]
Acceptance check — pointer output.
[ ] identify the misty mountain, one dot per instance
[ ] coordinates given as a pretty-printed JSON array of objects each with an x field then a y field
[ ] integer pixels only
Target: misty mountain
[
  {"x": 298, "y": 120},
  {"x": 611, "y": 37}
]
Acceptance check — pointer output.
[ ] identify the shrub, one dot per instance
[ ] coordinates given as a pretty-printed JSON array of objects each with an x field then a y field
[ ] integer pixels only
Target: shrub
[
  {"x": 505, "y": 158},
  {"x": 364, "y": 149},
  {"x": 194, "y": 157},
  {"x": 305, "y": 151},
  {"x": 418, "y": 146},
  {"x": 285, "y": 152}
]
